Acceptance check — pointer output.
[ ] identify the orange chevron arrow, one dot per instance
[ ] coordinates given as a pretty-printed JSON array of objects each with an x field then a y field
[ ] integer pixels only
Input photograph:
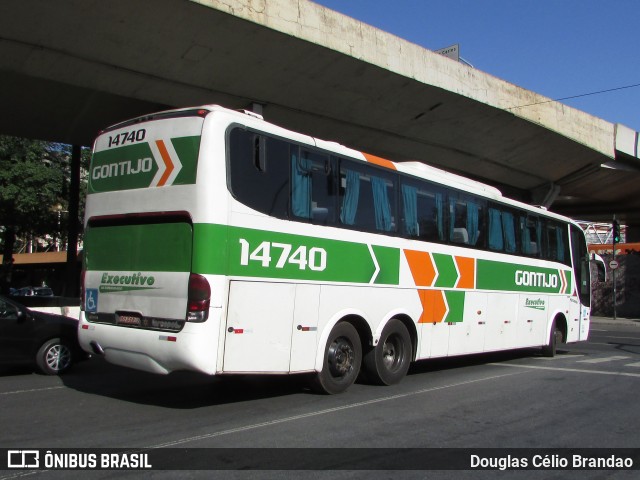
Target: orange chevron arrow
[
  {"x": 434, "y": 306},
  {"x": 467, "y": 269},
  {"x": 166, "y": 158},
  {"x": 422, "y": 267},
  {"x": 564, "y": 284}
]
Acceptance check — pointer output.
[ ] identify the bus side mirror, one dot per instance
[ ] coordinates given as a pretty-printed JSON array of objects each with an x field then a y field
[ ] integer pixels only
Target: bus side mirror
[{"x": 602, "y": 271}]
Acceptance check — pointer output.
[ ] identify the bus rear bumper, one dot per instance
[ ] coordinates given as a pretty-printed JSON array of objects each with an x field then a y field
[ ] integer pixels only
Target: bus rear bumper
[
  {"x": 194, "y": 348},
  {"x": 135, "y": 360}
]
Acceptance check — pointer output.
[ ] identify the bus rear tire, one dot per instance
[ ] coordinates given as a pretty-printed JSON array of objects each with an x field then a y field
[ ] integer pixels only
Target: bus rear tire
[
  {"x": 388, "y": 362},
  {"x": 342, "y": 360},
  {"x": 555, "y": 337}
]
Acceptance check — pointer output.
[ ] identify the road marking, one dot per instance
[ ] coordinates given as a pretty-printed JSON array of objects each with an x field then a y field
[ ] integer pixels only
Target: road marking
[
  {"x": 612, "y": 336},
  {"x": 560, "y": 357},
  {"x": 322, "y": 412},
  {"x": 32, "y": 390},
  {"x": 636, "y": 364},
  {"x": 560, "y": 369},
  {"x": 604, "y": 359}
]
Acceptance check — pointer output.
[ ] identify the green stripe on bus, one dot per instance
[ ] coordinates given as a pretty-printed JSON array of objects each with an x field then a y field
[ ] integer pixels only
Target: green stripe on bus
[
  {"x": 122, "y": 168},
  {"x": 455, "y": 302},
  {"x": 245, "y": 252},
  {"x": 187, "y": 149},
  {"x": 446, "y": 268},
  {"x": 513, "y": 277},
  {"x": 389, "y": 262},
  {"x": 134, "y": 166}
]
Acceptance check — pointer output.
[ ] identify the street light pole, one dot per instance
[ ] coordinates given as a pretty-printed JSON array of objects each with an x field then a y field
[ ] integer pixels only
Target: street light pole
[{"x": 616, "y": 238}]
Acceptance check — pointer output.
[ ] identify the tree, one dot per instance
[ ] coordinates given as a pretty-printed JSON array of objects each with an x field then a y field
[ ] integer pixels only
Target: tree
[{"x": 33, "y": 188}]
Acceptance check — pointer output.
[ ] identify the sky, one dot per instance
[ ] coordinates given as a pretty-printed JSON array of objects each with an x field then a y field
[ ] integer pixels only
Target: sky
[{"x": 557, "y": 48}]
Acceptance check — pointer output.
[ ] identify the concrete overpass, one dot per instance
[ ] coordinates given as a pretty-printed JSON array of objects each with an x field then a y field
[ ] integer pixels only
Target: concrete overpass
[{"x": 68, "y": 68}]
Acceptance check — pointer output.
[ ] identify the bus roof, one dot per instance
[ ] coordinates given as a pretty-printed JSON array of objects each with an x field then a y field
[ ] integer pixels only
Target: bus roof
[{"x": 414, "y": 168}]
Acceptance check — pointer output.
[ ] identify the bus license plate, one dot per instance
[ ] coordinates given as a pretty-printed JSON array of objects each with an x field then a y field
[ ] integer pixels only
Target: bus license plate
[{"x": 128, "y": 319}]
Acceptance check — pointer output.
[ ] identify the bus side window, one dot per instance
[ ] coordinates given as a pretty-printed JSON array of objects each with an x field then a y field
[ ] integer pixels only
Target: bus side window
[
  {"x": 259, "y": 172},
  {"x": 423, "y": 210},
  {"x": 502, "y": 230},
  {"x": 383, "y": 192},
  {"x": 324, "y": 195},
  {"x": 496, "y": 235},
  {"x": 509, "y": 226},
  {"x": 555, "y": 242},
  {"x": 260, "y": 153},
  {"x": 313, "y": 194},
  {"x": 367, "y": 197},
  {"x": 466, "y": 220},
  {"x": 530, "y": 235}
]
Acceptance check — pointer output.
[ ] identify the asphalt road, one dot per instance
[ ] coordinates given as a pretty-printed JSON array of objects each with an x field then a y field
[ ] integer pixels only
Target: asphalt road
[{"x": 585, "y": 397}]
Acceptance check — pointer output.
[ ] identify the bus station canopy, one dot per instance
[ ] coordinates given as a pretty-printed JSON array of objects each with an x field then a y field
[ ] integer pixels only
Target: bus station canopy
[{"x": 72, "y": 67}]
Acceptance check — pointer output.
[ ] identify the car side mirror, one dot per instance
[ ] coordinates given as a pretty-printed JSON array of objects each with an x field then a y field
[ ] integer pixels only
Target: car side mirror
[
  {"x": 602, "y": 270},
  {"x": 11, "y": 312}
]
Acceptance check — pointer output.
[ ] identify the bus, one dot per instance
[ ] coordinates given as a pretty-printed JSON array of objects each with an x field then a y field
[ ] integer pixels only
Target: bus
[{"x": 220, "y": 243}]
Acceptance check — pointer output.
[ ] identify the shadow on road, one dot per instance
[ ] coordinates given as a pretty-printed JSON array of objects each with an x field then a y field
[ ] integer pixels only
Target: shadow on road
[
  {"x": 189, "y": 390},
  {"x": 179, "y": 390},
  {"x": 449, "y": 363}
]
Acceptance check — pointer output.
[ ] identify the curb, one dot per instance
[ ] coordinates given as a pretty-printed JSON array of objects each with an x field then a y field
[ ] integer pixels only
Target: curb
[{"x": 617, "y": 321}]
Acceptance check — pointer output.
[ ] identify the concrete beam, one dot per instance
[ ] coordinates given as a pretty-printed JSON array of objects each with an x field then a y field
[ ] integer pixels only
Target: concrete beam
[
  {"x": 71, "y": 67},
  {"x": 319, "y": 25}
]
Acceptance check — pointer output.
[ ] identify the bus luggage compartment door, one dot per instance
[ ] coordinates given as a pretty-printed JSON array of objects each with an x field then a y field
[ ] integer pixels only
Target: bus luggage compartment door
[{"x": 260, "y": 332}]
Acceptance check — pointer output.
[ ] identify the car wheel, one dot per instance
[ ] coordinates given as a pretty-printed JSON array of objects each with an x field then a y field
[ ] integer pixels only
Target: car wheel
[{"x": 54, "y": 357}]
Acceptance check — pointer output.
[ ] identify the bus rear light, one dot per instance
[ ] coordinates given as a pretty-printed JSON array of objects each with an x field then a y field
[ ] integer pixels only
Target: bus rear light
[
  {"x": 82, "y": 290},
  {"x": 199, "y": 298}
]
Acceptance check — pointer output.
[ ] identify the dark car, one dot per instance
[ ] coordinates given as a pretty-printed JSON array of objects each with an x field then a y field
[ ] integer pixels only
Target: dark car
[
  {"x": 45, "y": 340},
  {"x": 33, "y": 292}
]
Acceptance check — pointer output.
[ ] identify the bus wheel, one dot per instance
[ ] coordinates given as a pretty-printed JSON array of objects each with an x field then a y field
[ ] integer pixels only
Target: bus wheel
[
  {"x": 555, "y": 337},
  {"x": 388, "y": 362},
  {"x": 342, "y": 360}
]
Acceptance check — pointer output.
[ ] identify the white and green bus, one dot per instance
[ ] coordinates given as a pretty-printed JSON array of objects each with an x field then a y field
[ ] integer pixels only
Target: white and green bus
[{"x": 220, "y": 243}]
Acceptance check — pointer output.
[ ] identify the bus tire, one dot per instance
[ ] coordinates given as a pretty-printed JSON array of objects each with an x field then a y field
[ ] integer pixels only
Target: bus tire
[
  {"x": 555, "y": 337},
  {"x": 342, "y": 360},
  {"x": 388, "y": 362}
]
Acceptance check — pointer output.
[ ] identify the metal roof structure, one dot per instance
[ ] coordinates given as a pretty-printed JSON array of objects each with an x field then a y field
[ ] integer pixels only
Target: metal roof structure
[{"x": 72, "y": 67}]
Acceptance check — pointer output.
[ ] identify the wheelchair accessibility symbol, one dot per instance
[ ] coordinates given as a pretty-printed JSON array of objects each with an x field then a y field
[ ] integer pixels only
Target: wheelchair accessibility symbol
[{"x": 91, "y": 300}]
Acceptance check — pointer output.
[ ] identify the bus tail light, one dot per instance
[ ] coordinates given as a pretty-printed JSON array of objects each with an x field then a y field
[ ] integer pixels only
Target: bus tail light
[
  {"x": 199, "y": 298},
  {"x": 82, "y": 290}
]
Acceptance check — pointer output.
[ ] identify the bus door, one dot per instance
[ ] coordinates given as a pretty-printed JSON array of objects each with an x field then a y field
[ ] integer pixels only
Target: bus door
[{"x": 580, "y": 311}]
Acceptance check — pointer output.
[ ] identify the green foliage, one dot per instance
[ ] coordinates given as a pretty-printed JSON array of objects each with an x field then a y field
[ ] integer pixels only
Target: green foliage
[{"x": 34, "y": 186}]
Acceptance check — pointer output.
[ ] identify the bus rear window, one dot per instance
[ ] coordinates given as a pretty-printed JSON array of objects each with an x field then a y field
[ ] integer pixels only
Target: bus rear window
[{"x": 139, "y": 247}]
